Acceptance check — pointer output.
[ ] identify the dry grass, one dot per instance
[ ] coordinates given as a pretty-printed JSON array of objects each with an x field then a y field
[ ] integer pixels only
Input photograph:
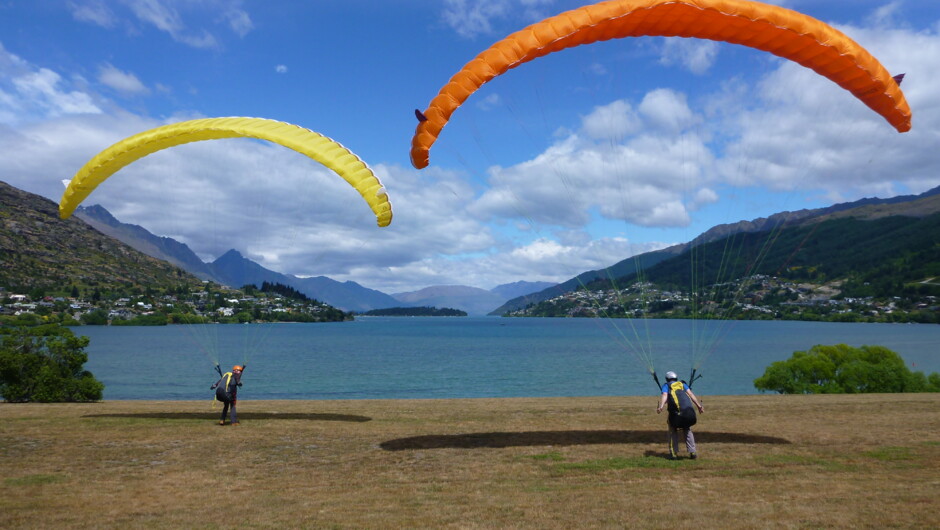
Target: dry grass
[{"x": 766, "y": 461}]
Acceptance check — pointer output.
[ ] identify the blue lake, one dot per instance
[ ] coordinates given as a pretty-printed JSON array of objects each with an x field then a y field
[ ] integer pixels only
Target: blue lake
[{"x": 396, "y": 358}]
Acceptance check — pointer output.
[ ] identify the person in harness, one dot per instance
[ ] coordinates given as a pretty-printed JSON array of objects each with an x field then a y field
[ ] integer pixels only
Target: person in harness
[
  {"x": 226, "y": 391},
  {"x": 680, "y": 400}
]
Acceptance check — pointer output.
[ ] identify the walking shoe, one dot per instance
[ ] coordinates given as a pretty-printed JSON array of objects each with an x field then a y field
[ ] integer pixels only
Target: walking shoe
[
  {"x": 234, "y": 423},
  {"x": 222, "y": 422},
  {"x": 693, "y": 456}
]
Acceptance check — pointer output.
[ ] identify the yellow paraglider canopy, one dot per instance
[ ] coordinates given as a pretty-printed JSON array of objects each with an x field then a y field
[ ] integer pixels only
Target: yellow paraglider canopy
[{"x": 316, "y": 146}]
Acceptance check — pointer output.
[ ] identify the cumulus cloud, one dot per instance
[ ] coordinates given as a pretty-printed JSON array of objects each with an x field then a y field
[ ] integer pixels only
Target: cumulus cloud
[
  {"x": 804, "y": 132},
  {"x": 633, "y": 165},
  {"x": 281, "y": 69},
  {"x": 28, "y": 92},
  {"x": 667, "y": 111},
  {"x": 655, "y": 161},
  {"x": 641, "y": 162},
  {"x": 543, "y": 259},
  {"x": 695, "y": 55},
  {"x": 267, "y": 201},
  {"x": 614, "y": 120}
]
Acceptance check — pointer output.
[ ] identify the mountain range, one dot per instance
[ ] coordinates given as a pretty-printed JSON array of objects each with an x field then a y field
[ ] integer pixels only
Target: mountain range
[
  {"x": 917, "y": 206},
  {"x": 39, "y": 251},
  {"x": 235, "y": 270}
]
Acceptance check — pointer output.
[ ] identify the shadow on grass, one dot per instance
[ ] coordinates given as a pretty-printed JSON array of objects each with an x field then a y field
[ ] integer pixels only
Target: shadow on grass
[
  {"x": 535, "y": 438},
  {"x": 311, "y": 416}
]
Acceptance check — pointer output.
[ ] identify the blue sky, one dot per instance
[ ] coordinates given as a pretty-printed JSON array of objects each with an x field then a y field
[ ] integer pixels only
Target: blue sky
[{"x": 569, "y": 163}]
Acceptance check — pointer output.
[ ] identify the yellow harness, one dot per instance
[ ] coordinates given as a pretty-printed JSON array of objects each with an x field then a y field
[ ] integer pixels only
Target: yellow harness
[{"x": 674, "y": 387}]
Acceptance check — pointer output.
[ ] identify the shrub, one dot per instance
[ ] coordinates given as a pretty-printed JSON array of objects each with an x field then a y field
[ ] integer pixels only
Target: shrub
[
  {"x": 842, "y": 369},
  {"x": 45, "y": 364}
]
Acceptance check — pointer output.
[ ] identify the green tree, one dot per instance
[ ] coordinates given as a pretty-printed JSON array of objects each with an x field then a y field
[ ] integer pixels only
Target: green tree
[
  {"x": 844, "y": 369},
  {"x": 98, "y": 317},
  {"x": 45, "y": 364}
]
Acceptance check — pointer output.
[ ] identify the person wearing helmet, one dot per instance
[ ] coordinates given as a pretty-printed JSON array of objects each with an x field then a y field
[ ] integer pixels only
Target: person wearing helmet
[
  {"x": 679, "y": 398},
  {"x": 226, "y": 391}
]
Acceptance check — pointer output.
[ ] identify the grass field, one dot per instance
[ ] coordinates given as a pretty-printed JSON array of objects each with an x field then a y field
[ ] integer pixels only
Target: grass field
[{"x": 766, "y": 461}]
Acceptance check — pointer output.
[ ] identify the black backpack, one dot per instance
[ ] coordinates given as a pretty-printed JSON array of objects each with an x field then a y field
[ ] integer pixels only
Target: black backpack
[
  {"x": 222, "y": 392},
  {"x": 681, "y": 408}
]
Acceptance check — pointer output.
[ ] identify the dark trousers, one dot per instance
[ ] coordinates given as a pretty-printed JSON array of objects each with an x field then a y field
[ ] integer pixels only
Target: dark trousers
[{"x": 225, "y": 407}]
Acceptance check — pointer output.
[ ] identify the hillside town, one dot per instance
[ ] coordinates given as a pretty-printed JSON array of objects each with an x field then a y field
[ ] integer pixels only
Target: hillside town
[
  {"x": 757, "y": 297},
  {"x": 211, "y": 304}
]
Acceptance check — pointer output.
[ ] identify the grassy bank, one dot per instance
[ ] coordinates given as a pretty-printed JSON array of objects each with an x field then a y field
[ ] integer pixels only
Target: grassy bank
[{"x": 765, "y": 461}]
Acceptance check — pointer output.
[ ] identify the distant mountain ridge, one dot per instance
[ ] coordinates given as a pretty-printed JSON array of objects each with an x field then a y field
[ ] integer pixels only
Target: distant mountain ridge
[
  {"x": 137, "y": 237},
  {"x": 919, "y": 206},
  {"x": 38, "y": 250},
  {"x": 473, "y": 300},
  {"x": 234, "y": 270}
]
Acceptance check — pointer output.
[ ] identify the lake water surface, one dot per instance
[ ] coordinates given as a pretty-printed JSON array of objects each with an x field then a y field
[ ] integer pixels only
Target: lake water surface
[{"x": 394, "y": 358}]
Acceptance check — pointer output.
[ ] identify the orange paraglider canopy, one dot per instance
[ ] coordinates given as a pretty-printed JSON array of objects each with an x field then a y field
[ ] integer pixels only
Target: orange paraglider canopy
[{"x": 783, "y": 32}]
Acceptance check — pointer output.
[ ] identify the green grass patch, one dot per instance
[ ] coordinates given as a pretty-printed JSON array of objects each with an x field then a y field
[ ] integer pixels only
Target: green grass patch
[
  {"x": 606, "y": 464},
  {"x": 788, "y": 460},
  {"x": 891, "y": 454},
  {"x": 34, "y": 480},
  {"x": 554, "y": 456},
  {"x": 752, "y": 473}
]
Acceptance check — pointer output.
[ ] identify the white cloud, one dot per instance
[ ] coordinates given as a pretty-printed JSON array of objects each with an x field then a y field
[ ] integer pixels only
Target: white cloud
[
  {"x": 472, "y": 18},
  {"x": 93, "y": 11},
  {"x": 29, "y": 93},
  {"x": 634, "y": 166},
  {"x": 655, "y": 163},
  {"x": 490, "y": 102},
  {"x": 884, "y": 16},
  {"x": 597, "y": 69},
  {"x": 190, "y": 23},
  {"x": 656, "y": 159},
  {"x": 667, "y": 111},
  {"x": 802, "y": 132},
  {"x": 615, "y": 120},
  {"x": 159, "y": 14},
  {"x": 281, "y": 69},
  {"x": 123, "y": 82},
  {"x": 239, "y": 21},
  {"x": 695, "y": 55}
]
